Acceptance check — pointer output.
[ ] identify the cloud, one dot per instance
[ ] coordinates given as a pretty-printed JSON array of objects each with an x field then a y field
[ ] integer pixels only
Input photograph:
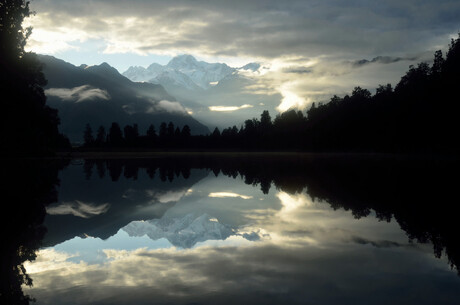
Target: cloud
[
  {"x": 79, "y": 209},
  {"x": 228, "y": 194},
  {"x": 167, "y": 106},
  {"x": 311, "y": 47},
  {"x": 377, "y": 244},
  {"x": 78, "y": 94},
  {"x": 298, "y": 70},
  {"x": 267, "y": 30},
  {"x": 168, "y": 196},
  {"x": 381, "y": 60},
  {"x": 229, "y": 108},
  {"x": 291, "y": 99}
]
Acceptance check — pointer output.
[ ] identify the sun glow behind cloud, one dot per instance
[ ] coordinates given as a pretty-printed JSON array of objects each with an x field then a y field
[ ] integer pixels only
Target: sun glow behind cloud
[{"x": 291, "y": 99}]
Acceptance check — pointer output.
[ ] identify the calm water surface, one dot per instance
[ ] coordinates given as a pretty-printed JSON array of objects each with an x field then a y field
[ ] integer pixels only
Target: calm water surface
[{"x": 170, "y": 232}]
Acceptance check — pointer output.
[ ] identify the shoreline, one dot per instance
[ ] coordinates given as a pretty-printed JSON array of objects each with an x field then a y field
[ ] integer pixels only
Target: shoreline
[
  {"x": 252, "y": 154},
  {"x": 236, "y": 154}
]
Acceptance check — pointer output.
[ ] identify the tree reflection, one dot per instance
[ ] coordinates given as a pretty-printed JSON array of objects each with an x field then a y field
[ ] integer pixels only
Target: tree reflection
[
  {"x": 418, "y": 193},
  {"x": 30, "y": 185}
]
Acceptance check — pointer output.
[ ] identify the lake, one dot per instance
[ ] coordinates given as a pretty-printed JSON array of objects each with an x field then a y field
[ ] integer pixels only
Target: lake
[{"x": 226, "y": 229}]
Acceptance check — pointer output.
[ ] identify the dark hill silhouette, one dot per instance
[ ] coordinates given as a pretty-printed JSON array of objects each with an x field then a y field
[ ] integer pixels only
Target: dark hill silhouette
[{"x": 99, "y": 95}]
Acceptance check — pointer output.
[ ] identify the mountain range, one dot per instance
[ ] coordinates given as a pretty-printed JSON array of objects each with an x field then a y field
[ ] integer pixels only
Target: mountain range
[
  {"x": 201, "y": 86},
  {"x": 100, "y": 95},
  {"x": 184, "y": 71}
]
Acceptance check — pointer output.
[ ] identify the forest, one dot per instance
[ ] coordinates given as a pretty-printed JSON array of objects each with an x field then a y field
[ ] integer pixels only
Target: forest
[{"x": 418, "y": 115}]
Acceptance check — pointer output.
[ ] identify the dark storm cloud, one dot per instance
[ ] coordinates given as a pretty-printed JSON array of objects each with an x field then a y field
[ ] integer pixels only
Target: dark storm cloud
[
  {"x": 298, "y": 70},
  {"x": 377, "y": 243},
  {"x": 266, "y": 28},
  {"x": 381, "y": 60}
]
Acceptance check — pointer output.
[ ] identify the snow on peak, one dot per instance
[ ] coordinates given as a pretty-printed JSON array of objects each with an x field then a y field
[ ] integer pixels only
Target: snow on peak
[
  {"x": 184, "y": 71},
  {"x": 183, "y": 61},
  {"x": 251, "y": 66}
]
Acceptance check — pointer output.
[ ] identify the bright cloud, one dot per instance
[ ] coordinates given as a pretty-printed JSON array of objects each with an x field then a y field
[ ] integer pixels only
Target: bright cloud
[
  {"x": 228, "y": 194},
  {"x": 78, "y": 94},
  {"x": 229, "y": 108},
  {"x": 170, "y": 196},
  {"x": 291, "y": 99}
]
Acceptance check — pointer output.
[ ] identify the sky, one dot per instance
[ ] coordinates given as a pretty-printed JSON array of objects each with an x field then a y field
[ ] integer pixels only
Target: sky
[{"x": 309, "y": 49}]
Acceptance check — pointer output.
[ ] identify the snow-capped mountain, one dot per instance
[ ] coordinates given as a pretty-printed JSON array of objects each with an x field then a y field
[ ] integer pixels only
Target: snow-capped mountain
[
  {"x": 184, "y": 71},
  {"x": 182, "y": 232},
  {"x": 199, "y": 85}
]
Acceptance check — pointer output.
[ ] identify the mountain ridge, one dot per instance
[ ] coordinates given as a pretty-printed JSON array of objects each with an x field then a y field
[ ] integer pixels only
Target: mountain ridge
[
  {"x": 100, "y": 95},
  {"x": 183, "y": 70}
]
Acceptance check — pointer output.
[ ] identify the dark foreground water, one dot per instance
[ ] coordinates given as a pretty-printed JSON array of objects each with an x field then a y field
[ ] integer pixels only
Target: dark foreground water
[{"x": 234, "y": 230}]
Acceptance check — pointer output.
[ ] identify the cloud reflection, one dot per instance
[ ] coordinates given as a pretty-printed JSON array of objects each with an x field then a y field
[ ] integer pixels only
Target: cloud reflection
[
  {"x": 225, "y": 275},
  {"x": 293, "y": 202},
  {"x": 79, "y": 209},
  {"x": 304, "y": 251}
]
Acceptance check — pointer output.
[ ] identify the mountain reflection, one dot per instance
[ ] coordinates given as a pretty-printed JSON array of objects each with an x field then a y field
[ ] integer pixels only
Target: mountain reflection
[
  {"x": 99, "y": 205},
  {"x": 417, "y": 193},
  {"x": 104, "y": 198},
  {"x": 181, "y": 232}
]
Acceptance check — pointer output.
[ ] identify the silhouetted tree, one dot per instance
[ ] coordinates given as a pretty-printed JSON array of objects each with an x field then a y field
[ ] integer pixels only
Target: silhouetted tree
[
  {"x": 101, "y": 136},
  {"x": 438, "y": 63},
  {"x": 163, "y": 130},
  {"x": 131, "y": 135},
  {"x": 151, "y": 133},
  {"x": 186, "y": 132},
  {"x": 21, "y": 82},
  {"x": 170, "y": 130},
  {"x": 216, "y": 133},
  {"x": 115, "y": 137},
  {"x": 177, "y": 133},
  {"x": 384, "y": 90},
  {"x": 88, "y": 136},
  {"x": 265, "y": 121}
]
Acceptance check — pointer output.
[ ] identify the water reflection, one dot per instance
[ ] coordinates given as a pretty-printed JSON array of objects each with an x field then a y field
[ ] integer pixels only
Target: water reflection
[{"x": 196, "y": 230}]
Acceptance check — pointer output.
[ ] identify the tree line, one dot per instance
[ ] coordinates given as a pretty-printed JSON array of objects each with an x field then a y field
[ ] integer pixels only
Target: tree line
[
  {"x": 399, "y": 189},
  {"x": 420, "y": 114},
  {"x": 169, "y": 136}
]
